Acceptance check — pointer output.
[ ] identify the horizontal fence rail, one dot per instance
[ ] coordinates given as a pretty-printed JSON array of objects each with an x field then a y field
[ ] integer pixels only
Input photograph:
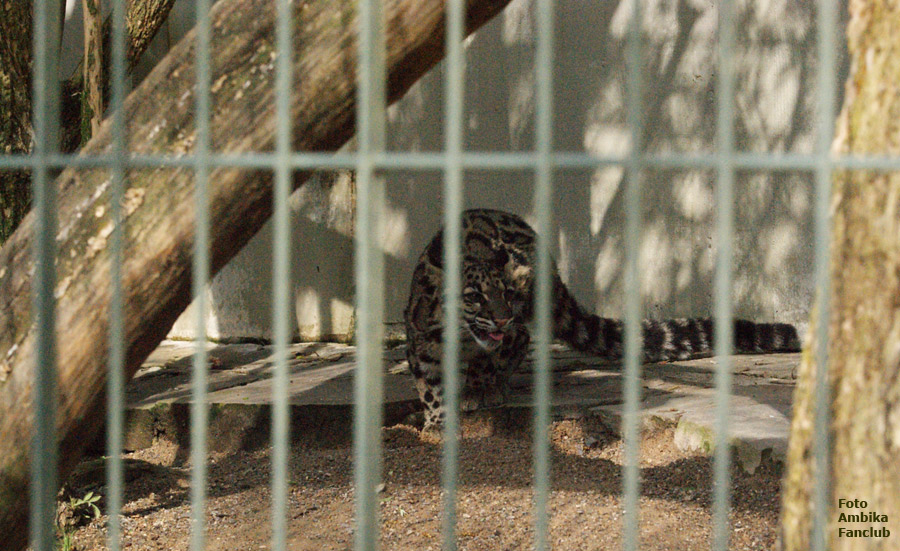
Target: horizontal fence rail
[
  {"x": 499, "y": 160},
  {"x": 370, "y": 161}
]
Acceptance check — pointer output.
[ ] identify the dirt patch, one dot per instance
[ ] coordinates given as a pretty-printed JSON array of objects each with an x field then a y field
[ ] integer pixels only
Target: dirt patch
[{"x": 495, "y": 496}]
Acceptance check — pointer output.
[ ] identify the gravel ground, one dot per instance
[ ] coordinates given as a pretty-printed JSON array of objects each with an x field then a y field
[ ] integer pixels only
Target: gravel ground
[{"x": 495, "y": 496}]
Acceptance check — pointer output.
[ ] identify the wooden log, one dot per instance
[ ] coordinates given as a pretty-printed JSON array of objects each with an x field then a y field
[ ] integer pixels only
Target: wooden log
[
  {"x": 159, "y": 202},
  {"x": 92, "y": 103}
]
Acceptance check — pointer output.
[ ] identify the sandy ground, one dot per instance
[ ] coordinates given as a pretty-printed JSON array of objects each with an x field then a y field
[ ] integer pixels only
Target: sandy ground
[{"x": 495, "y": 496}]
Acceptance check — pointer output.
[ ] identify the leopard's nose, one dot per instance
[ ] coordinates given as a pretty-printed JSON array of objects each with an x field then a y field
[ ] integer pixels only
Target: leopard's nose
[{"x": 502, "y": 323}]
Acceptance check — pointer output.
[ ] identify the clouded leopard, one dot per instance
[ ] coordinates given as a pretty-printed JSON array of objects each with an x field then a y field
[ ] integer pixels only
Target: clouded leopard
[{"x": 498, "y": 269}]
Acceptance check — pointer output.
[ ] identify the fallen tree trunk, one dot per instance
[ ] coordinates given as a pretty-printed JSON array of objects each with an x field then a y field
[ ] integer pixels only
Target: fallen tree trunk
[{"x": 159, "y": 202}]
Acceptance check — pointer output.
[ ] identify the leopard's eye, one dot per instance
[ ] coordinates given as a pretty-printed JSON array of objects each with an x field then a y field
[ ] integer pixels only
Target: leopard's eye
[{"x": 472, "y": 297}]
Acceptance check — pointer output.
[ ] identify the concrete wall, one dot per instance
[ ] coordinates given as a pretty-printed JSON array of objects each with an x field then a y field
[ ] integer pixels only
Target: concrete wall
[
  {"x": 773, "y": 225},
  {"x": 240, "y": 296},
  {"x": 774, "y": 109}
]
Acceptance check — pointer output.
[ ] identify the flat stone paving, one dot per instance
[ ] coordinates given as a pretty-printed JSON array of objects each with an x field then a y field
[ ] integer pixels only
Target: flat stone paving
[{"x": 321, "y": 395}]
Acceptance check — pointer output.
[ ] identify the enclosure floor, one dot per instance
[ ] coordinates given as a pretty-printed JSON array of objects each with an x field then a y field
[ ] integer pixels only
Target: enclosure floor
[{"x": 321, "y": 396}]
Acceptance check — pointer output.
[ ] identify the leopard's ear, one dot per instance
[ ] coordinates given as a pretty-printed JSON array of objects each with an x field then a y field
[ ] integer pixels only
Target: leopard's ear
[{"x": 436, "y": 250}]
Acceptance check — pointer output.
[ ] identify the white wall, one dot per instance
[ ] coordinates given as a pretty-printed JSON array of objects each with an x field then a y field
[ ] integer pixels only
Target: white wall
[
  {"x": 774, "y": 109},
  {"x": 240, "y": 296}
]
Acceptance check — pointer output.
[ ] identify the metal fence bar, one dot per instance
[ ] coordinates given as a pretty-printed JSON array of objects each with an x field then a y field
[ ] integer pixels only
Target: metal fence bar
[
  {"x": 281, "y": 275},
  {"x": 44, "y": 453},
  {"x": 498, "y": 160},
  {"x": 115, "y": 405},
  {"x": 543, "y": 201},
  {"x": 632, "y": 383},
  {"x": 723, "y": 309},
  {"x": 826, "y": 21},
  {"x": 369, "y": 274},
  {"x": 453, "y": 200},
  {"x": 200, "y": 269},
  {"x": 369, "y": 269}
]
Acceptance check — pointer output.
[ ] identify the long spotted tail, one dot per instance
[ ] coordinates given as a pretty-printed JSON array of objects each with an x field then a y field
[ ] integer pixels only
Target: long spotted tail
[{"x": 675, "y": 339}]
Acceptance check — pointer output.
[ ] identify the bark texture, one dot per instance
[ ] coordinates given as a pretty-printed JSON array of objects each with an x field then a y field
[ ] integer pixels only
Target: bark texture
[
  {"x": 864, "y": 342},
  {"x": 15, "y": 109},
  {"x": 15, "y": 73},
  {"x": 92, "y": 95},
  {"x": 158, "y": 204},
  {"x": 143, "y": 20}
]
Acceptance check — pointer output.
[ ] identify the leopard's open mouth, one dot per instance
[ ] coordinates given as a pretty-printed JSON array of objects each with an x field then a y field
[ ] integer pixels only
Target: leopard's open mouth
[{"x": 489, "y": 339}]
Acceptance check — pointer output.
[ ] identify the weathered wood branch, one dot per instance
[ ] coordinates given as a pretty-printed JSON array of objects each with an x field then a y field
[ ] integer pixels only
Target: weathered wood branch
[
  {"x": 159, "y": 203},
  {"x": 143, "y": 19},
  {"x": 864, "y": 329},
  {"x": 93, "y": 101}
]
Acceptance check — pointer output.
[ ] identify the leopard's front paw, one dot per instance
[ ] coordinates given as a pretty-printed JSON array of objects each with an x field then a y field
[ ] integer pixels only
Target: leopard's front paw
[
  {"x": 432, "y": 431},
  {"x": 482, "y": 399}
]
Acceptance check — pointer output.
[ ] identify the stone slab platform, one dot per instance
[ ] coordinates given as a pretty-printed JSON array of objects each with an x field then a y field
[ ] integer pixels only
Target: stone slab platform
[{"x": 321, "y": 395}]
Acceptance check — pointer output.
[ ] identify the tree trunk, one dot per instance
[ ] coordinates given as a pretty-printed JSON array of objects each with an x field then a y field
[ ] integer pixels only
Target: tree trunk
[
  {"x": 864, "y": 341},
  {"x": 15, "y": 110},
  {"x": 92, "y": 94},
  {"x": 143, "y": 19},
  {"x": 159, "y": 203}
]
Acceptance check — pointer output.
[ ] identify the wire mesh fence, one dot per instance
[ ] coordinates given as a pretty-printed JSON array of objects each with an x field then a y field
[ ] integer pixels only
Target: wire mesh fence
[{"x": 369, "y": 160}]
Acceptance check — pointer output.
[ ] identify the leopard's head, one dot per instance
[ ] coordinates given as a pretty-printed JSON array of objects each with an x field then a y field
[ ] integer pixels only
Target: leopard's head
[{"x": 492, "y": 308}]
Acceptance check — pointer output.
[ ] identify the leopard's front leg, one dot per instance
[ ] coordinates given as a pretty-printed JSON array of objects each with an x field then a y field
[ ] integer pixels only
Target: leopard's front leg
[
  {"x": 480, "y": 382},
  {"x": 507, "y": 360},
  {"x": 487, "y": 376},
  {"x": 425, "y": 366}
]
